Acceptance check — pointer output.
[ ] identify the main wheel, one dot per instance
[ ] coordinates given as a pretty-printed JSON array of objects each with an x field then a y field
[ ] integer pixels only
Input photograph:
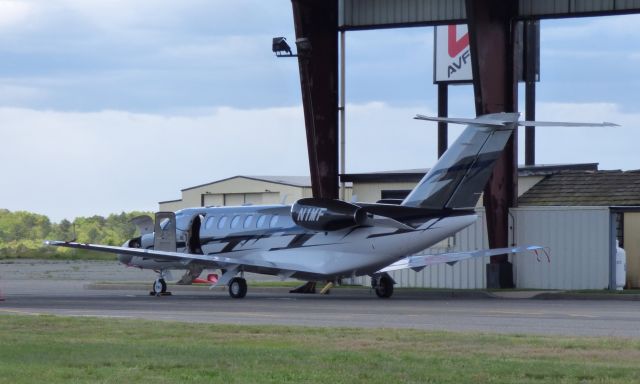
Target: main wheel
[
  {"x": 238, "y": 288},
  {"x": 159, "y": 286},
  {"x": 384, "y": 290}
]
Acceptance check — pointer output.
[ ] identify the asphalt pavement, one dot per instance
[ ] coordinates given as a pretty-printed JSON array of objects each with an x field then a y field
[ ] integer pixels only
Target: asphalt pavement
[{"x": 109, "y": 290}]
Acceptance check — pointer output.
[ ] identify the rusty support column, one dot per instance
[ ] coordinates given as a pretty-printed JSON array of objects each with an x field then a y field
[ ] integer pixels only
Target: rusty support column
[
  {"x": 316, "y": 25},
  {"x": 443, "y": 111},
  {"x": 531, "y": 69},
  {"x": 495, "y": 89}
]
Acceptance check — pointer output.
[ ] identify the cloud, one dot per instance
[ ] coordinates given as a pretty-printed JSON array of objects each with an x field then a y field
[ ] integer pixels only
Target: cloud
[
  {"x": 66, "y": 164},
  {"x": 13, "y": 13},
  {"x": 610, "y": 27},
  {"x": 612, "y": 147},
  {"x": 15, "y": 95}
]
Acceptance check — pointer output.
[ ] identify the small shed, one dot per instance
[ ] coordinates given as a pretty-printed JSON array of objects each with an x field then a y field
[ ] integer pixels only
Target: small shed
[{"x": 580, "y": 215}]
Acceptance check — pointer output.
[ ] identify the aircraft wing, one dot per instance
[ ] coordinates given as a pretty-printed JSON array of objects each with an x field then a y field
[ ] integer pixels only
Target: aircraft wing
[
  {"x": 214, "y": 261},
  {"x": 417, "y": 263}
]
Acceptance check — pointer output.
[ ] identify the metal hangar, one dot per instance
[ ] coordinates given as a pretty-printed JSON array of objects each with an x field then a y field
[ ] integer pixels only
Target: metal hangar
[{"x": 492, "y": 43}]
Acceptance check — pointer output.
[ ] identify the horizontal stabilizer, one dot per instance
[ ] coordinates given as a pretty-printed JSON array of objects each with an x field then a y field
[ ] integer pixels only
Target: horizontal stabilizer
[
  {"x": 495, "y": 121},
  {"x": 455, "y": 120},
  {"x": 564, "y": 124},
  {"x": 419, "y": 262}
]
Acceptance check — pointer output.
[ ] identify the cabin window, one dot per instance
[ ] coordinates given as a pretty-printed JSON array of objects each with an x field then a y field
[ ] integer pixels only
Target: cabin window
[
  {"x": 209, "y": 223},
  {"x": 222, "y": 222},
  {"x": 235, "y": 222},
  {"x": 261, "y": 220},
  {"x": 274, "y": 221},
  {"x": 247, "y": 221}
]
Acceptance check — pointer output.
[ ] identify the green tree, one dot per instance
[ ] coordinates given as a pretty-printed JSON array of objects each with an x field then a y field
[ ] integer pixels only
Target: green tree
[{"x": 22, "y": 234}]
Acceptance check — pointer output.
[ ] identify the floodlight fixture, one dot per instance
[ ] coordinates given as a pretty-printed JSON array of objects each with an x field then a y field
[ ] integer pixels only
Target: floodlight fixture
[{"x": 281, "y": 48}]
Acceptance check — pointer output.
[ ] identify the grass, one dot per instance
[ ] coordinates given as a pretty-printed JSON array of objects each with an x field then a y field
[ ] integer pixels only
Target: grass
[
  {"x": 54, "y": 254},
  {"x": 78, "y": 350}
]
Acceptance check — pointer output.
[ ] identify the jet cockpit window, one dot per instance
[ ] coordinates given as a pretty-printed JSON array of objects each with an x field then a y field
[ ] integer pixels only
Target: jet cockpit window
[
  {"x": 247, "y": 221},
  {"x": 274, "y": 221},
  {"x": 222, "y": 222},
  {"x": 209, "y": 223},
  {"x": 261, "y": 220},
  {"x": 235, "y": 222}
]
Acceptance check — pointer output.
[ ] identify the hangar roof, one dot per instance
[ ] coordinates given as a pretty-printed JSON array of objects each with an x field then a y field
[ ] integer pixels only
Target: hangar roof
[
  {"x": 590, "y": 188},
  {"x": 364, "y": 14},
  {"x": 294, "y": 181}
]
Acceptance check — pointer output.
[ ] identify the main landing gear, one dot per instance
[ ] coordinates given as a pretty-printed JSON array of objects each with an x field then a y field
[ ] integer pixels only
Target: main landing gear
[
  {"x": 383, "y": 285},
  {"x": 238, "y": 287}
]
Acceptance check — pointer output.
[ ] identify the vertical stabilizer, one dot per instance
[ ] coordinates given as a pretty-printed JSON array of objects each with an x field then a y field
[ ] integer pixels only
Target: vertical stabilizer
[{"x": 460, "y": 175}]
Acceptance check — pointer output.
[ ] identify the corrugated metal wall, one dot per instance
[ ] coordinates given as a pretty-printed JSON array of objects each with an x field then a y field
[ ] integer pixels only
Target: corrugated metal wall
[
  {"x": 567, "y": 7},
  {"x": 355, "y": 14},
  {"x": 579, "y": 238},
  {"x": 366, "y": 13}
]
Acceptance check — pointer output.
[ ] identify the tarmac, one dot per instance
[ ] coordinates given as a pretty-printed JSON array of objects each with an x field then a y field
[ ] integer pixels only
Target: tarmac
[{"x": 106, "y": 289}]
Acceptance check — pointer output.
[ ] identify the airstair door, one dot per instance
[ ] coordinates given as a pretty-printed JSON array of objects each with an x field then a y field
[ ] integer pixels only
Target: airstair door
[{"x": 165, "y": 232}]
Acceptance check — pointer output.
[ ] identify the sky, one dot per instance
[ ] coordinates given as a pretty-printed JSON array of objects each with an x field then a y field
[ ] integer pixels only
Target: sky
[{"x": 114, "y": 105}]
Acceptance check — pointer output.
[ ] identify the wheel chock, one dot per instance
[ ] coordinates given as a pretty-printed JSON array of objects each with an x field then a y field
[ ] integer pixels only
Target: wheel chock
[
  {"x": 327, "y": 288},
  {"x": 308, "y": 287}
]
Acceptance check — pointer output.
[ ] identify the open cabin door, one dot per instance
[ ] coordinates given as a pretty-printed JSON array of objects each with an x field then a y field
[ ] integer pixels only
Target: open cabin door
[{"x": 165, "y": 232}]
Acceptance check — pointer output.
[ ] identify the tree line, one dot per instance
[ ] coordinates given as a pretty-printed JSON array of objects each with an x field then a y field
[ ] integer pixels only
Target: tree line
[{"x": 22, "y": 234}]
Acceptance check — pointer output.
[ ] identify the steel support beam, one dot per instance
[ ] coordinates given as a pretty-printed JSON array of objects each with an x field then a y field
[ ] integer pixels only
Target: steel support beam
[
  {"x": 531, "y": 66},
  {"x": 495, "y": 87},
  {"x": 443, "y": 111},
  {"x": 316, "y": 25}
]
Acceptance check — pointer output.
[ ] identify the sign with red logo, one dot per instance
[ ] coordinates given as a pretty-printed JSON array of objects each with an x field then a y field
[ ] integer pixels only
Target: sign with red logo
[{"x": 452, "y": 54}]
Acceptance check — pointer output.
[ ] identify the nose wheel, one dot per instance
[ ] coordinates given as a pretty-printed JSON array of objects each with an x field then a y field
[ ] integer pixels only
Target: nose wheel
[
  {"x": 238, "y": 287},
  {"x": 159, "y": 287}
]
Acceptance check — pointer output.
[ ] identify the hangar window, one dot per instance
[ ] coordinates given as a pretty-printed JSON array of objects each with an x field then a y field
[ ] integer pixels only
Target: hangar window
[
  {"x": 209, "y": 223},
  {"x": 222, "y": 222},
  {"x": 261, "y": 220},
  {"x": 235, "y": 222},
  {"x": 274, "y": 221},
  {"x": 247, "y": 221}
]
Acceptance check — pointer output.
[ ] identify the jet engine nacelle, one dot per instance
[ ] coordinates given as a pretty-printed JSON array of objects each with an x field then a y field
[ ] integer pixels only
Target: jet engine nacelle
[{"x": 326, "y": 214}]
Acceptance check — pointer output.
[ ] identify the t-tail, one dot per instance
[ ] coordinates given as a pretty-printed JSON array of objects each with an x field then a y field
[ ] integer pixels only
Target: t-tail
[{"x": 457, "y": 180}]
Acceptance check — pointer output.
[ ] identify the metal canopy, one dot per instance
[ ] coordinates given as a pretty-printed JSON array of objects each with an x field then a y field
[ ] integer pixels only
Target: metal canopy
[{"x": 370, "y": 14}]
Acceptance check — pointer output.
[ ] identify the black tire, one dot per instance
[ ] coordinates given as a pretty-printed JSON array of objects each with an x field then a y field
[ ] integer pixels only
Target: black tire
[
  {"x": 384, "y": 290},
  {"x": 159, "y": 286},
  {"x": 238, "y": 288}
]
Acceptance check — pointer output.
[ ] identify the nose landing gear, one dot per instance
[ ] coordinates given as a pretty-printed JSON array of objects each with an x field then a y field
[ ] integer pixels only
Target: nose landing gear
[{"x": 159, "y": 287}]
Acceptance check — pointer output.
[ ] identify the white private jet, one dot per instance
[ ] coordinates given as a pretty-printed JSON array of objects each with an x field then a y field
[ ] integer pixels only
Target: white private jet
[{"x": 327, "y": 240}]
